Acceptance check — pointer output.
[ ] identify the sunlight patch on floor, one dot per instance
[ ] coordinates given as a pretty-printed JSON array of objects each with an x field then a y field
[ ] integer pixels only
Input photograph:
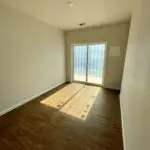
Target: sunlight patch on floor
[
  {"x": 62, "y": 95},
  {"x": 75, "y": 100}
]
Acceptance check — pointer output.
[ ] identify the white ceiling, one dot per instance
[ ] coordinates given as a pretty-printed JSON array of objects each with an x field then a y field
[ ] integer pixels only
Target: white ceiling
[{"x": 57, "y": 13}]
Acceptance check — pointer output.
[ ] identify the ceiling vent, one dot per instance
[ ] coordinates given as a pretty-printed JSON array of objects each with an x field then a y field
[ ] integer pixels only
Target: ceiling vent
[{"x": 70, "y": 3}]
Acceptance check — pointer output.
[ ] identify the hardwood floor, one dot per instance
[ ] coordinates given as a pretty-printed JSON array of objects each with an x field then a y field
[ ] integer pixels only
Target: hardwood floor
[{"x": 72, "y": 117}]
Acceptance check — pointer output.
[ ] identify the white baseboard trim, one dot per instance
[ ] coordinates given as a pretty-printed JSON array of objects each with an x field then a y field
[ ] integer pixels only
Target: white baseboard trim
[
  {"x": 27, "y": 100},
  {"x": 112, "y": 88},
  {"x": 122, "y": 122}
]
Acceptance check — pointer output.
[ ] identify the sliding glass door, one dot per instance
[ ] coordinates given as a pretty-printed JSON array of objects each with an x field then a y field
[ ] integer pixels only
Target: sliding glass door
[{"x": 89, "y": 63}]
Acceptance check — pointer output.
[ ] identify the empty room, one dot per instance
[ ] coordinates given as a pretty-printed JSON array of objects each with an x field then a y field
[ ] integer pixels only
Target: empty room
[{"x": 74, "y": 74}]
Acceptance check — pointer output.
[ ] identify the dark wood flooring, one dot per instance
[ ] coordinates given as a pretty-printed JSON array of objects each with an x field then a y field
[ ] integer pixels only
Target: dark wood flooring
[{"x": 35, "y": 126}]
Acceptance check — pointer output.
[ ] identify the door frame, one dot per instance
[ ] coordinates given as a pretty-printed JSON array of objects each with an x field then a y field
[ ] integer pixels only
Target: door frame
[{"x": 104, "y": 68}]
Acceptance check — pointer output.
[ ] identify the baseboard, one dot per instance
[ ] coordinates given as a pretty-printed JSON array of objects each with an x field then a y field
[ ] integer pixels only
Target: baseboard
[
  {"x": 29, "y": 99},
  {"x": 122, "y": 123}
]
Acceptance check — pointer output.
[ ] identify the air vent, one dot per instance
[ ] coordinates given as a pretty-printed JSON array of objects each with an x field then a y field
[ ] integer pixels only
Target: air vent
[
  {"x": 70, "y": 3},
  {"x": 82, "y": 24}
]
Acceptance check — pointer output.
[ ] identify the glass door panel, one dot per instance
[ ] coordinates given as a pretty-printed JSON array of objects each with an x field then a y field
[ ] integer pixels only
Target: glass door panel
[
  {"x": 95, "y": 63},
  {"x": 80, "y": 62}
]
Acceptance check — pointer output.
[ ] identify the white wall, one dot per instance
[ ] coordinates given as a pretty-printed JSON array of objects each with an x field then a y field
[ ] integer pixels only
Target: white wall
[
  {"x": 32, "y": 57},
  {"x": 135, "y": 92},
  {"x": 114, "y": 35}
]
